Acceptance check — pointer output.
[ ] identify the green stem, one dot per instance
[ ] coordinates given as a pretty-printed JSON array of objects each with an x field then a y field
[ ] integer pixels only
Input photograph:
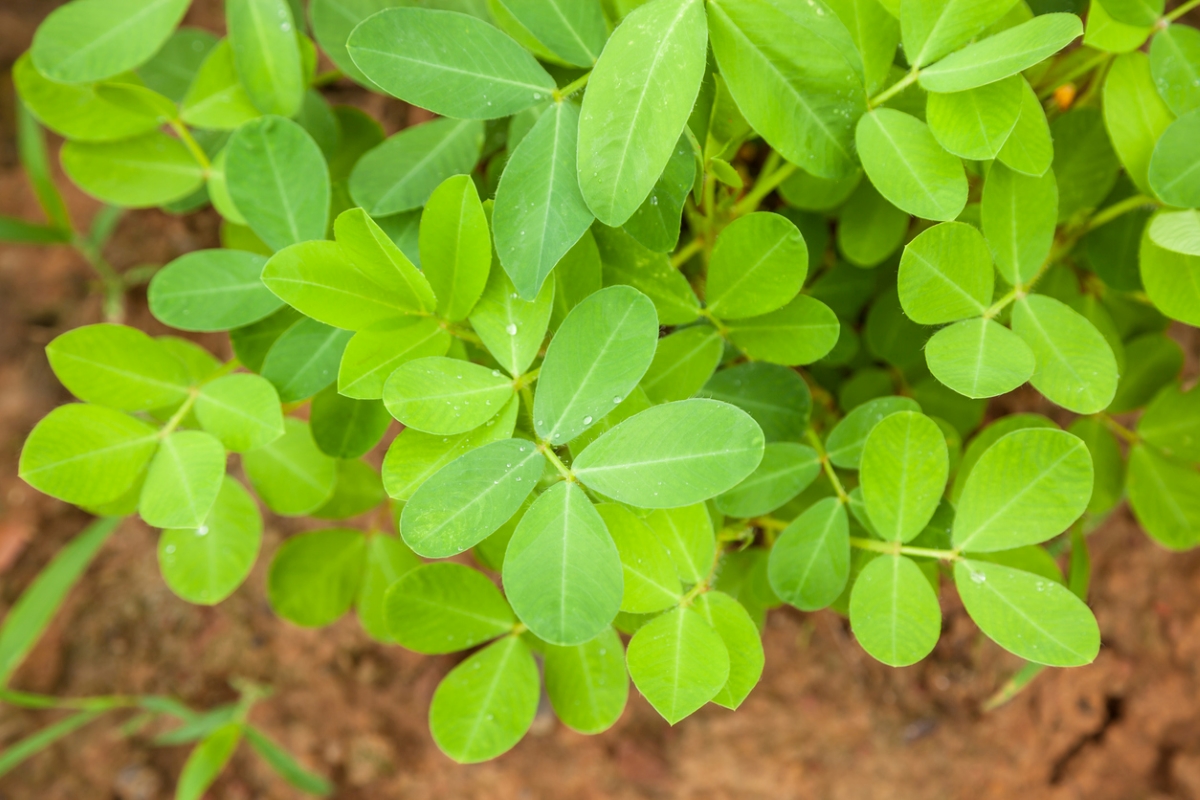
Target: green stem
[
  {"x": 1107, "y": 215},
  {"x": 548, "y": 451},
  {"x": 1119, "y": 429},
  {"x": 459, "y": 332},
  {"x": 527, "y": 380},
  {"x": 1001, "y": 304},
  {"x": 326, "y": 78},
  {"x": 178, "y": 416},
  {"x": 895, "y": 89},
  {"x": 192, "y": 145},
  {"x": 685, "y": 253},
  {"x": 1183, "y": 9},
  {"x": 815, "y": 441},
  {"x": 572, "y": 87},
  {"x": 895, "y": 548},
  {"x": 114, "y": 285},
  {"x": 1083, "y": 69},
  {"x": 762, "y": 188}
]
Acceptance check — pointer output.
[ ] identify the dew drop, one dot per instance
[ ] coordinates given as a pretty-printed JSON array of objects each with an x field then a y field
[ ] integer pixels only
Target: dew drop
[
  {"x": 617, "y": 400},
  {"x": 587, "y": 420},
  {"x": 511, "y": 329},
  {"x": 978, "y": 577},
  {"x": 495, "y": 373},
  {"x": 202, "y": 530},
  {"x": 170, "y": 548}
]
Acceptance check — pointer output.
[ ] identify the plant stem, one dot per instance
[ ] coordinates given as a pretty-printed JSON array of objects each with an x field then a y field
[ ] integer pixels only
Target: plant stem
[
  {"x": 1118, "y": 429},
  {"x": 815, "y": 441},
  {"x": 895, "y": 548},
  {"x": 178, "y": 416},
  {"x": 572, "y": 87},
  {"x": 895, "y": 89},
  {"x": 685, "y": 253},
  {"x": 1107, "y": 215},
  {"x": 1083, "y": 69},
  {"x": 192, "y": 145},
  {"x": 326, "y": 78},
  {"x": 526, "y": 380},
  {"x": 998, "y": 306},
  {"x": 548, "y": 451},
  {"x": 459, "y": 332},
  {"x": 1183, "y": 9},
  {"x": 762, "y": 188}
]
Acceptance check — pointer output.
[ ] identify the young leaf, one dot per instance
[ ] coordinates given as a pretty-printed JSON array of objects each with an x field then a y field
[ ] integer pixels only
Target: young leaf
[
  {"x": 1178, "y": 231},
  {"x": 467, "y": 500},
  {"x": 344, "y": 427},
  {"x": 211, "y": 290},
  {"x": 562, "y": 572},
  {"x": 1134, "y": 12},
  {"x": 291, "y": 475},
  {"x": 1170, "y": 278},
  {"x": 262, "y": 35},
  {"x": 1037, "y": 619},
  {"x": 797, "y": 77},
  {"x": 1163, "y": 495},
  {"x": 401, "y": 174},
  {"x": 278, "y": 179},
  {"x": 776, "y": 397},
  {"x": 450, "y": 63},
  {"x": 456, "y": 247},
  {"x": 637, "y": 104},
  {"x": 304, "y": 359},
  {"x": 444, "y": 608},
  {"x": 894, "y": 611},
  {"x": 678, "y": 663},
  {"x": 203, "y": 564},
  {"x": 933, "y": 28},
  {"x": 148, "y": 170},
  {"x": 511, "y": 328},
  {"x": 649, "y": 574},
  {"x": 215, "y": 98},
  {"x": 786, "y": 470},
  {"x": 1029, "y": 149},
  {"x": 976, "y": 123},
  {"x": 1174, "y": 171},
  {"x": 909, "y": 167},
  {"x": 1004, "y": 54},
  {"x": 810, "y": 562},
  {"x": 445, "y": 395},
  {"x": 599, "y": 354},
  {"x": 1018, "y": 215},
  {"x": 1175, "y": 66},
  {"x": 1027, "y": 487},
  {"x": 117, "y": 366},
  {"x": 979, "y": 358},
  {"x": 241, "y": 410},
  {"x": 487, "y": 703},
  {"x": 683, "y": 362},
  {"x": 587, "y": 684},
  {"x": 90, "y": 40},
  {"x": 945, "y": 274},
  {"x": 206, "y": 761},
  {"x": 183, "y": 480},
  {"x": 540, "y": 212},
  {"x": 737, "y": 630},
  {"x": 374, "y": 353},
  {"x": 904, "y": 469},
  {"x": 758, "y": 264},
  {"x": 687, "y": 535},
  {"x": 314, "y": 577},
  {"x": 673, "y": 454},
  {"x": 1075, "y": 366},
  {"x": 801, "y": 332}
]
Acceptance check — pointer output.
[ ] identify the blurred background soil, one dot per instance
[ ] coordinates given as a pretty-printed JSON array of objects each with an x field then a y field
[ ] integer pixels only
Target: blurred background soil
[{"x": 825, "y": 722}]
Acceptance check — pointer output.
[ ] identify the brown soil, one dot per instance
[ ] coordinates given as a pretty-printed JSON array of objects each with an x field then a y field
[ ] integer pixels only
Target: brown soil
[{"x": 826, "y": 721}]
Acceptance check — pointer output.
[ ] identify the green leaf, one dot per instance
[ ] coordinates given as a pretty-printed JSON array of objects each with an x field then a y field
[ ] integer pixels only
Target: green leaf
[
  {"x": 344, "y": 427},
  {"x": 241, "y": 410},
  {"x": 415, "y": 456},
  {"x": 1027, "y": 487},
  {"x": 445, "y": 395},
  {"x": 572, "y": 31},
  {"x": 1172, "y": 279},
  {"x": 776, "y": 397},
  {"x": 1155, "y": 360},
  {"x": 845, "y": 442},
  {"x": 587, "y": 684},
  {"x": 173, "y": 68},
  {"x": 904, "y": 469},
  {"x": 148, "y": 170},
  {"x": 512, "y": 329},
  {"x": 648, "y": 572},
  {"x": 314, "y": 577},
  {"x": 737, "y": 630},
  {"x": 1108, "y": 464},
  {"x": 796, "y": 75},
  {"x": 1037, "y": 619},
  {"x": 1165, "y": 498},
  {"x": 1178, "y": 231},
  {"x": 205, "y": 563},
  {"x": 401, "y": 174},
  {"x": 291, "y": 475},
  {"x": 894, "y": 611},
  {"x": 627, "y": 262},
  {"x": 758, "y": 264},
  {"x": 453, "y": 64},
  {"x": 786, "y": 470},
  {"x": 869, "y": 227},
  {"x": 1172, "y": 424},
  {"x": 979, "y": 358},
  {"x": 945, "y": 274},
  {"x": 444, "y": 608},
  {"x": 1086, "y": 172},
  {"x": 207, "y": 760},
  {"x": 387, "y": 561},
  {"x": 656, "y": 223},
  {"x": 284, "y": 765},
  {"x": 801, "y": 332},
  {"x": 1029, "y": 149},
  {"x": 985, "y": 439},
  {"x": 875, "y": 32},
  {"x": 1174, "y": 171},
  {"x": 357, "y": 490},
  {"x": 687, "y": 534},
  {"x": 467, "y": 500},
  {"x": 683, "y": 362},
  {"x": 1019, "y": 215},
  {"x": 1134, "y": 115},
  {"x": 332, "y": 22},
  {"x": 369, "y": 249},
  {"x": 810, "y": 561},
  {"x": 279, "y": 181},
  {"x": 1103, "y": 32},
  {"x": 562, "y": 572},
  {"x": 678, "y": 662},
  {"x": 211, "y": 290},
  {"x": 31, "y": 745},
  {"x": 976, "y": 123},
  {"x": 673, "y": 454},
  {"x": 1075, "y": 366},
  {"x": 637, "y": 103},
  {"x": 456, "y": 247},
  {"x": 487, "y": 703},
  {"x": 251, "y": 343},
  {"x": 909, "y": 167},
  {"x": 117, "y": 366},
  {"x": 374, "y": 353},
  {"x": 933, "y": 28},
  {"x": 1134, "y": 12},
  {"x": 599, "y": 354},
  {"x": 1006, "y": 53},
  {"x": 266, "y": 54},
  {"x": 216, "y": 99},
  {"x": 540, "y": 213},
  {"x": 1175, "y": 66},
  {"x": 304, "y": 359},
  {"x": 33, "y": 611},
  {"x": 810, "y": 193},
  {"x": 90, "y": 40},
  {"x": 183, "y": 480}
]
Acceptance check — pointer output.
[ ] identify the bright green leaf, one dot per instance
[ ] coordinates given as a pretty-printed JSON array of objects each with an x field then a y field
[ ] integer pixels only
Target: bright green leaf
[
  {"x": 314, "y": 577},
  {"x": 810, "y": 561},
  {"x": 678, "y": 663},
  {"x": 444, "y": 608}
]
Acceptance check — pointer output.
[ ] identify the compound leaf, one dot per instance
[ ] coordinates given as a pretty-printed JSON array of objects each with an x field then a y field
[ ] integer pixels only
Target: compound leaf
[
  {"x": 1006, "y": 53},
  {"x": 742, "y": 641}
]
